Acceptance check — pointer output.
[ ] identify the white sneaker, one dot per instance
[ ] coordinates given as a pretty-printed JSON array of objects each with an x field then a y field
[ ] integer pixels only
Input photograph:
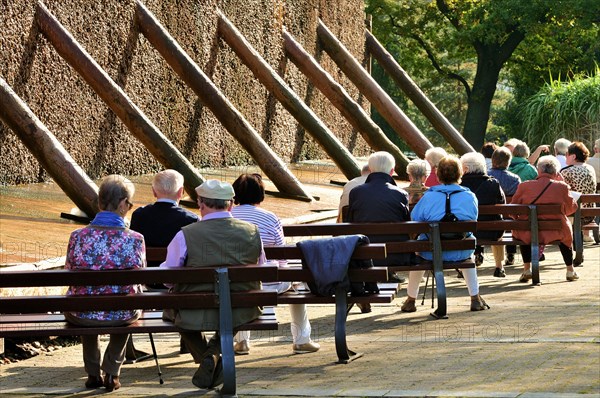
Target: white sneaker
[
  {"x": 572, "y": 276},
  {"x": 306, "y": 348}
]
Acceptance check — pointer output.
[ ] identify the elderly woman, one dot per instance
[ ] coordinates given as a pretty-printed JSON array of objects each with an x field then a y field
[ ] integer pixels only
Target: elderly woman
[
  {"x": 106, "y": 244},
  {"x": 520, "y": 164},
  {"x": 431, "y": 207},
  {"x": 418, "y": 170},
  {"x": 547, "y": 189},
  {"x": 249, "y": 194},
  {"x": 488, "y": 192},
  {"x": 433, "y": 156}
]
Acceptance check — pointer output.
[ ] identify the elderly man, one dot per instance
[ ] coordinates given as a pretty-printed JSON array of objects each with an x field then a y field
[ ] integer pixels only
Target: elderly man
[
  {"x": 219, "y": 239},
  {"x": 161, "y": 220},
  {"x": 380, "y": 200}
]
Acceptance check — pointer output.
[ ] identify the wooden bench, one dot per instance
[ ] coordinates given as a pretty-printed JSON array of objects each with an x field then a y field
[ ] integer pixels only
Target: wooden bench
[
  {"x": 295, "y": 273},
  {"x": 535, "y": 223},
  {"x": 22, "y": 316},
  {"x": 413, "y": 228},
  {"x": 578, "y": 226}
]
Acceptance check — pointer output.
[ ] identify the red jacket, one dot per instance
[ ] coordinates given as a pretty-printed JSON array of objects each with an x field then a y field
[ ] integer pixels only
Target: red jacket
[{"x": 557, "y": 193}]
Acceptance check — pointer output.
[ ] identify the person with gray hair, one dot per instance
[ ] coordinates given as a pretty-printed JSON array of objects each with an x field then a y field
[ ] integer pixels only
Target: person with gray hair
[
  {"x": 161, "y": 220},
  {"x": 418, "y": 170},
  {"x": 547, "y": 189},
  {"x": 520, "y": 164},
  {"x": 107, "y": 238},
  {"x": 561, "y": 146},
  {"x": 433, "y": 156},
  {"x": 216, "y": 240},
  {"x": 488, "y": 192},
  {"x": 380, "y": 200}
]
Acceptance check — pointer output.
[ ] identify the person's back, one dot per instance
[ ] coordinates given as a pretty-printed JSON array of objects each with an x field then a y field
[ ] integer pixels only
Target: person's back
[
  {"x": 380, "y": 200},
  {"x": 520, "y": 164}
]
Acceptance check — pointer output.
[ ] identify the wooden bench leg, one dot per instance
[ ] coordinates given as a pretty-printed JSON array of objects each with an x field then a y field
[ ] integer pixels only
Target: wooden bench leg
[
  {"x": 226, "y": 335},
  {"x": 341, "y": 347}
]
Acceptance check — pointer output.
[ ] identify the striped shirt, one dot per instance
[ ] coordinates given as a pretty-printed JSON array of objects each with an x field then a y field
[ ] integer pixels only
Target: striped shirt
[{"x": 269, "y": 226}]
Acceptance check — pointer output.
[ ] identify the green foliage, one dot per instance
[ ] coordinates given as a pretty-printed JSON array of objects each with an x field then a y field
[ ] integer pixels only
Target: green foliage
[
  {"x": 502, "y": 51},
  {"x": 569, "y": 109}
]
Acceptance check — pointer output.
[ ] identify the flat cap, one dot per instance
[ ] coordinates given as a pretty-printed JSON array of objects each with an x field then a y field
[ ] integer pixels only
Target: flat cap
[{"x": 215, "y": 189}]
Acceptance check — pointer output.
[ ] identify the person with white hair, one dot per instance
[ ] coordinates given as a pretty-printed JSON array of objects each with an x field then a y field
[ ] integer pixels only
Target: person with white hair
[
  {"x": 520, "y": 162},
  {"x": 547, "y": 189},
  {"x": 380, "y": 200},
  {"x": 161, "y": 220},
  {"x": 418, "y": 170},
  {"x": 561, "y": 146},
  {"x": 433, "y": 156},
  {"x": 488, "y": 192}
]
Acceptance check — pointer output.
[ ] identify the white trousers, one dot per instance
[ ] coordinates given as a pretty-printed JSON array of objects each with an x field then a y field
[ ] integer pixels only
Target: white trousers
[
  {"x": 414, "y": 279},
  {"x": 300, "y": 325}
]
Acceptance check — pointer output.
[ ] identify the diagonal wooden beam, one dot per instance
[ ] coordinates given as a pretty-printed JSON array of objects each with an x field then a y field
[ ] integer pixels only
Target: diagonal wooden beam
[
  {"x": 339, "y": 98},
  {"x": 212, "y": 97},
  {"x": 288, "y": 98},
  {"x": 48, "y": 151},
  {"x": 116, "y": 99},
  {"x": 401, "y": 124},
  {"x": 412, "y": 91}
]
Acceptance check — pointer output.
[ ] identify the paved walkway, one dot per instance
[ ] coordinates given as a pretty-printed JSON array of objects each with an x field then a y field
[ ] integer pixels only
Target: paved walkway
[{"x": 540, "y": 341}]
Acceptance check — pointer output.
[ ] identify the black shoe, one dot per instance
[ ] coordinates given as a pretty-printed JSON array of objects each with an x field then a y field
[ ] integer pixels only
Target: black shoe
[
  {"x": 94, "y": 382},
  {"x": 542, "y": 257},
  {"x": 459, "y": 275},
  {"x": 218, "y": 376},
  {"x": 204, "y": 376},
  {"x": 478, "y": 259},
  {"x": 500, "y": 273},
  {"x": 364, "y": 308},
  {"x": 394, "y": 277},
  {"x": 510, "y": 259},
  {"x": 111, "y": 382}
]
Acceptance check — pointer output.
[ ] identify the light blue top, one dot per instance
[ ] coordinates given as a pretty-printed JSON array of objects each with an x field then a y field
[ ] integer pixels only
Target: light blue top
[{"x": 432, "y": 207}]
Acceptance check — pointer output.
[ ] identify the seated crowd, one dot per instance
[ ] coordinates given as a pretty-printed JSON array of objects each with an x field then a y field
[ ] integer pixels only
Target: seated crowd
[{"x": 233, "y": 229}]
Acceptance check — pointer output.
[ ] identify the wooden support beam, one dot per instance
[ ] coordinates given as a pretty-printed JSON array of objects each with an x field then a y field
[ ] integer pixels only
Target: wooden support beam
[
  {"x": 116, "y": 99},
  {"x": 48, "y": 151},
  {"x": 412, "y": 91},
  {"x": 212, "y": 97},
  {"x": 338, "y": 96},
  {"x": 288, "y": 98},
  {"x": 401, "y": 124}
]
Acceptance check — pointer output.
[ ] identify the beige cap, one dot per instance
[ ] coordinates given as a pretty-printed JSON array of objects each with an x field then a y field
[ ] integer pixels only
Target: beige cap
[{"x": 215, "y": 189}]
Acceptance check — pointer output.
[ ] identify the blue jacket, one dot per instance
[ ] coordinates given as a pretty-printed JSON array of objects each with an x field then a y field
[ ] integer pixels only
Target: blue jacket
[{"x": 432, "y": 207}]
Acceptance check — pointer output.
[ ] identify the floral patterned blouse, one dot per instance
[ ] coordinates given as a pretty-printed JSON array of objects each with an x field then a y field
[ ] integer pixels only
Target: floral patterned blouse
[{"x": 102, "y": 248}]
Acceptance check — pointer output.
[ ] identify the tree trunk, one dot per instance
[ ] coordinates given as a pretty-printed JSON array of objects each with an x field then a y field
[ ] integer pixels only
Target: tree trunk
[{"x": 480, "y": 101}]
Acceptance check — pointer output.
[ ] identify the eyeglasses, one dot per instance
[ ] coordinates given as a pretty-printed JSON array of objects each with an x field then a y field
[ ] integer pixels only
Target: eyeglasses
[{"x": 128, "y": 203}]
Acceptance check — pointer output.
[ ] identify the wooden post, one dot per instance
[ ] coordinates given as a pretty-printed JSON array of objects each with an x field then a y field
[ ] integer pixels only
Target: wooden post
[
  {"x": 224, "y": 110},
  {"x": 401, "y": 124},
  {"x": 338, "y": 96},
  {"x": 288, "y": 98},
  {"x": 135, "y": 120},
  {"x": 48, "y": 151},
  {"x": 412, "y": 91}
]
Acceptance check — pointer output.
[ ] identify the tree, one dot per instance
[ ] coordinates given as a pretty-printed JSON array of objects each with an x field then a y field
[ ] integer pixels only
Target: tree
[{"x": 482, "y": 33}]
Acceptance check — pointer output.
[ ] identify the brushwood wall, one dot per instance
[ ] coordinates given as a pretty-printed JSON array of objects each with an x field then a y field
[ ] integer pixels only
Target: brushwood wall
[{"x": 97, "y": 139}]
